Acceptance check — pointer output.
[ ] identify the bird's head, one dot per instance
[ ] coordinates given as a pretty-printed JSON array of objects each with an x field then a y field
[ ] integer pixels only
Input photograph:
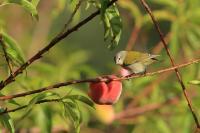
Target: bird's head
[{"x": 120, "y": 57}]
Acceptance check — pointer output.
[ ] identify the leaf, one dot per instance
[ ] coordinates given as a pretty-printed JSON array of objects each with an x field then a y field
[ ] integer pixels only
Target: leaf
[
  {"x": 72, "y": 111},
  {"x": 35, "y": 2},
  {"x": 14, "y": 52},
  {"x": 194, "y": 82},
  {"x": 7, "y": 121},
  {"x": 162, "y": 126},
  {"x": 83, "y": 99},
  {"x": 91, "y": 2},
  {"x": 37, "y": 98},
  {"x": 171, "y": 3},
  {"x": 193, "y": 39},
  {"x": 159, "y": 15},
  {"x": 174, "y": 43},
  {"x": 28, "y": 6},
  {"x": 45, "y": 119},
  {"x": 112, "y": 23}
]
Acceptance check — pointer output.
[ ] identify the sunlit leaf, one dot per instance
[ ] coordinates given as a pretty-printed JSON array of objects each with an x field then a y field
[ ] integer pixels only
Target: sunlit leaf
[
  {"x": 194, "y": 82},
  {"x": 12, "y": 48},
  {"x": 81, "y": 98},
  {"x": 35, "y": 2},
  {"x": 112, "y": 23},
  {"x": 161, "y": 15},
  {"x": 90, "y": 3}
]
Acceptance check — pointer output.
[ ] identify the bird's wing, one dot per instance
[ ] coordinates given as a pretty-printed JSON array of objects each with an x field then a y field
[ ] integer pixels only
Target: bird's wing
[
  {"x": 131, "y": 58},
  {"x": 148, "y": 59},
  {"x": 134, "y": 57}
]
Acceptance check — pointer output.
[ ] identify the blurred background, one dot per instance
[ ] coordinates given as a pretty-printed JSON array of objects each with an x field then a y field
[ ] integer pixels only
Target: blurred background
[{"x": 152, "y": 104}]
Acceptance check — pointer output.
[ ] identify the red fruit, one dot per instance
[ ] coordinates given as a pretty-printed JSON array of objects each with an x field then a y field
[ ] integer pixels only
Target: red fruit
[{"x": 106, "y": 93}]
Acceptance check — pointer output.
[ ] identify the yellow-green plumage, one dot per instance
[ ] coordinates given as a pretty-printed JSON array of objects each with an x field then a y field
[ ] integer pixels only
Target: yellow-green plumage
[
  {"x": 134, "y": 61},
  {"x": 134, "y": 56}
]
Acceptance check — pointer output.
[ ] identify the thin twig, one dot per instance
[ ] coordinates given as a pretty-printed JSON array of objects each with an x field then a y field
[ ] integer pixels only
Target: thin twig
[
  {"x": 58, "y": 85},
  {"x": 52, "y": 43},
  {"x": 72, "y": 16},
  {"x": 6, "y": 54},
  {"x": 24, "y": 106},
  {"x": 147, "y": 8}
]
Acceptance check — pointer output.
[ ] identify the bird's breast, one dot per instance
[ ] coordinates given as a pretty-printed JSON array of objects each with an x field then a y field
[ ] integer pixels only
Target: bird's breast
[{"x": 136, "y": 68}]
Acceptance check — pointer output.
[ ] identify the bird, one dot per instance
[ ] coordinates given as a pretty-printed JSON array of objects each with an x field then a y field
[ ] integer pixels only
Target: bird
[{"x": 134, "y": 61}]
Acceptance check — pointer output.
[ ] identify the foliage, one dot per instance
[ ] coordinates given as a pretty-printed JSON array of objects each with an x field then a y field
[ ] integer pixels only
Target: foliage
[{"x": 82, "y": 56}]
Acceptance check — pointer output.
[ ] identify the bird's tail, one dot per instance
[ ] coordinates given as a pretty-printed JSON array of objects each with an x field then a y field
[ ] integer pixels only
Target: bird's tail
[{"x": 154, "y": 58}]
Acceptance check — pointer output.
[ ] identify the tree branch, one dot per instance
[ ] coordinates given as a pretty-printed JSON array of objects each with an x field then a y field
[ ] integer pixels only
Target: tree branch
[
  {"x": 147, "y": 8},
  {"x": 24, "y": 106},
  {"x": 52, "y": 43},
  {"x": 72, "y": 15},
  {"x": 58, "y": 85}
]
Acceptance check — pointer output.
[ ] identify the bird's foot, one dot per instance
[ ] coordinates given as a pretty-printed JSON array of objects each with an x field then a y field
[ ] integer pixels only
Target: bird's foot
[{"x": 129, "y": 76}]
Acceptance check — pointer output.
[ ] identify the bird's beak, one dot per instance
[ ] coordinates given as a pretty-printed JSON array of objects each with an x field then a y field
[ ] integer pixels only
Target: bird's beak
[{"x": 115, "y": 59}]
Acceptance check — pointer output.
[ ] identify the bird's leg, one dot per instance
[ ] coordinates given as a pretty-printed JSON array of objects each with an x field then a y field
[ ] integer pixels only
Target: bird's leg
[
  {"x": 144, "y": 73},
  {"x": 130, "y": 75}
]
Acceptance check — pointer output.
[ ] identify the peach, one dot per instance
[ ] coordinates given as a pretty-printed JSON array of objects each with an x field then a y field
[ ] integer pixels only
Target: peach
[{"x": 106, "y": 92}]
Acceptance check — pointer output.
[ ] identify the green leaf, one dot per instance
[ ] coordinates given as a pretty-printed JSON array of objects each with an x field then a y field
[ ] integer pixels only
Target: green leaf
[
  {"x": 81, "y": 98},
  {"x": 72, "y": 111},
  {"x": 37, "y": 98},
  {"x": 159, "y": 15},
  {"x": 35, "y": 2},
  {"x": 92, "y": 2},
  {"x": 194, "y": 82},
  {"x": 162, "y": 126},
  {"x": 193, "y": 39},
  {"x": 30, "y": 7},
  {"x": 112, "y": 23},
  {"x": 7, "y": 121},
  {"x": 174, "y": 43},
  {"x": 171, "y": 3},
  {"x": 14, "y": 52},
  {"x": 45, "y": 119}
]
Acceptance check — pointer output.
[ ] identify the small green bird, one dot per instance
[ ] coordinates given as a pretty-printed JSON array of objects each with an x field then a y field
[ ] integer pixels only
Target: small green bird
[{"x": 135, "y": 62}]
